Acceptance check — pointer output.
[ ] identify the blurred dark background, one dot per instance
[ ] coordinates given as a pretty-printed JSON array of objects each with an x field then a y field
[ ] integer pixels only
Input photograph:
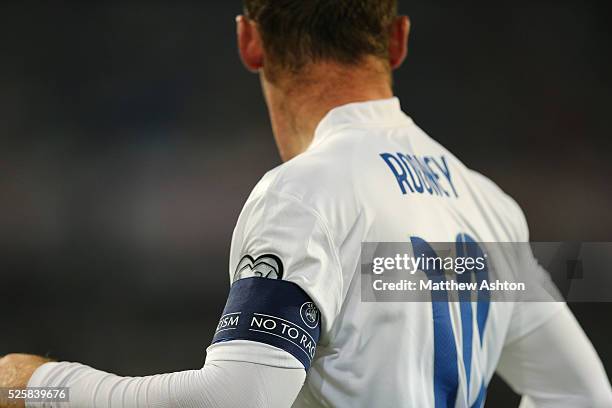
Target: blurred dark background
[{"x": 130, "y": 137}]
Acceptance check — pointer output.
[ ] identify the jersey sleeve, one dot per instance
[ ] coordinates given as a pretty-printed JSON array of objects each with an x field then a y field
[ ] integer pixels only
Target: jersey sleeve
[
  {"x": 556, "y": 365},
  {"x": 530, "y": 314},
  {"x": 279, "y": 226},
  {"x": 545, "y": 300},
  {"x": 213, "y": 386},
  {"x": 286, "y": 280}
]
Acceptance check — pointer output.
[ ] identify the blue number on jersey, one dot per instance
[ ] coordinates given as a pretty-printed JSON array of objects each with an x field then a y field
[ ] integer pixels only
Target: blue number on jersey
[{"x": 446, "y": 370}]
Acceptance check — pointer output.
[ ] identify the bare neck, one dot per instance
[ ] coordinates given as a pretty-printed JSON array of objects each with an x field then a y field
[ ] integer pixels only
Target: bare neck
[{"x": 298, "y": 104}]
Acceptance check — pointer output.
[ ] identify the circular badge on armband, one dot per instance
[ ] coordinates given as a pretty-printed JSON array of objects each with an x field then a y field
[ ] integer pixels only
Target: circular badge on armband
[{"x": 310, "y": 315}]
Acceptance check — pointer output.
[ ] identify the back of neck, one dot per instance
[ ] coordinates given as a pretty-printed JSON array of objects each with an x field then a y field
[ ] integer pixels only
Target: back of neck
[{"x": 298, "y": 103}]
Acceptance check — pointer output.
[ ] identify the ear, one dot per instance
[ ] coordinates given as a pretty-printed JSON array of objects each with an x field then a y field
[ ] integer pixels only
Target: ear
[
  {"x": 398, "y": 41},
  {"x": 249, "y": 44}
]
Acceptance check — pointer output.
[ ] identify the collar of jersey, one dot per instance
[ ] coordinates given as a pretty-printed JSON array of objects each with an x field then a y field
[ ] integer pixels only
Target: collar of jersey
[{"x": 381, "y": 112}]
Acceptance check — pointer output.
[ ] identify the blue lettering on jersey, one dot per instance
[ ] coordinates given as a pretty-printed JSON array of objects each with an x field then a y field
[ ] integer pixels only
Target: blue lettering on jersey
[
  {"x": 421, "y": 174},
  {"x": 274, "y": 312}
]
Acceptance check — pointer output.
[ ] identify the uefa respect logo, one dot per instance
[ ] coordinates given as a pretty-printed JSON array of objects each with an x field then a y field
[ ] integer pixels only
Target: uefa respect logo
[{"x": 310, "y": 314}]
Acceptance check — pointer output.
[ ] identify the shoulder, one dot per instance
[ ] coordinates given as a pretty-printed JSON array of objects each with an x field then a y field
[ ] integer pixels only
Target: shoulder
[
  {"x": 505, "y": 206},
  {"x": 322, "y": 179}
]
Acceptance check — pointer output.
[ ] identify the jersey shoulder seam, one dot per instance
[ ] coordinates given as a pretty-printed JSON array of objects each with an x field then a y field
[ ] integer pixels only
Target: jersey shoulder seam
[{"x": 317, "y": 216}]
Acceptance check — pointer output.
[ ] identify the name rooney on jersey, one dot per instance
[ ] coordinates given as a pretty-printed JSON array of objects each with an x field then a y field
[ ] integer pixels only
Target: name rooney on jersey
[{"x": 422, "y": 174}]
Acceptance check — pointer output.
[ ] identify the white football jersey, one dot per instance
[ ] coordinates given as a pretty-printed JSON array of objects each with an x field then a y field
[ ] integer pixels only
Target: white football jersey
[{"x": 372, "y": 175}]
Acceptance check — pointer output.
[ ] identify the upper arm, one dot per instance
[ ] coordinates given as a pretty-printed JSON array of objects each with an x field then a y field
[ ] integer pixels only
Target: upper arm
[
  {"x": 547, "y": 357},
  {"x": 280, "y": 225},
  {"x": 555, "y": 365},
  {"x": 286, "y": 280}
]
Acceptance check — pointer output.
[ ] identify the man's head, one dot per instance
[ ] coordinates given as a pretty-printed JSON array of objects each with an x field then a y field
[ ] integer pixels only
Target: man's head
[
  {"x": 296, "y": 33},
  {"x": 314, "y": 55}
]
